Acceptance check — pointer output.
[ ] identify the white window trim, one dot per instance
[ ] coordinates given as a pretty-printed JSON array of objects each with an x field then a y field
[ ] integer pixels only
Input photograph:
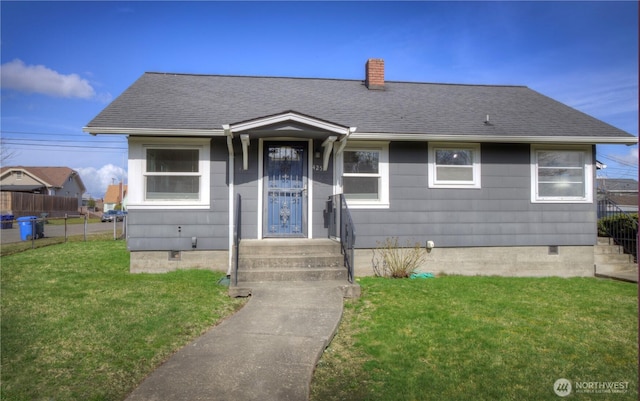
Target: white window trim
[
  {"x": 588, "y": 175},
  {"x": 383, "y": 173},
  {"x": 137, "y": 171},
  {"x": 433, "y": 182}
]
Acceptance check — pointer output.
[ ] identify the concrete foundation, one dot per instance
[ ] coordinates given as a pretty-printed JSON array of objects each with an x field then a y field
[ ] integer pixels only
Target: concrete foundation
[
  {"x": 166, "y": 261},
  {"x": 538, "y": 261}
]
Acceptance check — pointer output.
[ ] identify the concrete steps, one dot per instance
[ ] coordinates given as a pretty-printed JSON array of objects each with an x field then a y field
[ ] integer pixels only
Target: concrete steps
[
  {"x": 317, "y": 261},
  {"x": 289, "y": 254},
  {"x": 610, "y": 258}
]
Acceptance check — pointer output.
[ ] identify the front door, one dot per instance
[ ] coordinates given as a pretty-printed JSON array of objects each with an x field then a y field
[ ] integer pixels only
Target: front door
[{"x": 285, "y": 187}]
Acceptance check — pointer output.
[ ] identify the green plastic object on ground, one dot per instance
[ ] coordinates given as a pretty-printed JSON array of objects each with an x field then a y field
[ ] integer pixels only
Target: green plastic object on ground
[{"x": 422, "y": 275}]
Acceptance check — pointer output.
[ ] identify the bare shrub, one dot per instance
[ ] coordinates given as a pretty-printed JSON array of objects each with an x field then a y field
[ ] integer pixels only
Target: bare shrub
[{"x": 391, "y": 260}]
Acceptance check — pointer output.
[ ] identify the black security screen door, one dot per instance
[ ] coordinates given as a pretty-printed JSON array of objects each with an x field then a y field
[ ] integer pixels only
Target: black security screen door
[{"x": 285, "y": 189}]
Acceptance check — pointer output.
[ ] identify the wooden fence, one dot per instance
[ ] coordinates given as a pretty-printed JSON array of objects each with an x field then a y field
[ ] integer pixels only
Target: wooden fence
[{"x": 24, "y": 204}]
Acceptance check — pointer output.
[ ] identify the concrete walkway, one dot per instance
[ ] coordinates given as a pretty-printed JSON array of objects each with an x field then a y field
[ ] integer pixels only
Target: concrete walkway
[
  {"x": 630, "y": 276},
  {"x": 266, "y": 351}
]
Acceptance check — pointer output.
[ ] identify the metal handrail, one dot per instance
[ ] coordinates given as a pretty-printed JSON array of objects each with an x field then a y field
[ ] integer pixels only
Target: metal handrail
[
  {"x": 236, "y": 238},
  {"x": 341, "y": 226},
  {"x": 621, "y": 226}
]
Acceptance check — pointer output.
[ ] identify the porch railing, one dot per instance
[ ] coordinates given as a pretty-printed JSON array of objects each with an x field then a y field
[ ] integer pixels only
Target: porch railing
[
  {"x": 341, "y": 226},
  {"x": 621, "y": 226},
  {"x": 237, "y": 235}
]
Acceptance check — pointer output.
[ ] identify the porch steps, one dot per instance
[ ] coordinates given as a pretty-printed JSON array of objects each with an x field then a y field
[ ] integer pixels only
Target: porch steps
[
  {"x": 610, "y": 259},
  {"x": 291, "y": 262}
]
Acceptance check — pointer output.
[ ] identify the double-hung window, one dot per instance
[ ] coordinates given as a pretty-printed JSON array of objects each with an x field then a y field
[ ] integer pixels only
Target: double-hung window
[
  {"x": 454, "y": 165},
  {"x": 169, "y": 172},
  {"x": 172, "y": 174},
  {"x": 365, "y": 175},
  {"x": 561, "y": 174}
]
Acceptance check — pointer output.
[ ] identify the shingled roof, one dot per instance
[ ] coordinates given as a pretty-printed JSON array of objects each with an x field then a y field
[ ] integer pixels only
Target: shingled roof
[
  {"x": 207, "y": 102},
  {"x": 51, "y": 177}
]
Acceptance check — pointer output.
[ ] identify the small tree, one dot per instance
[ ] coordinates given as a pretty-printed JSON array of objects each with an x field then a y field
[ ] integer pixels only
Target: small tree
[{"x": 390, "y": 260}]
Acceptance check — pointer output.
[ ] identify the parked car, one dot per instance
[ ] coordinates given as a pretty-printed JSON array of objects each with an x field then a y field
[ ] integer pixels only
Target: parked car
[{"x": 110, "y": 215}]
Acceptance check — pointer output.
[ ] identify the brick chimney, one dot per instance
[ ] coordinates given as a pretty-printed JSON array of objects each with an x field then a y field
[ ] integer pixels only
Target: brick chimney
[{"x": 374, "y": 70}]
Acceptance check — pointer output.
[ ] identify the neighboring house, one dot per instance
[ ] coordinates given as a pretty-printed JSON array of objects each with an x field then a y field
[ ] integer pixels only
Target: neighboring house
[
  {"x": 500, "y": 178},
  {"x": 53, "y": 181},
  {"x": 115, "y": 195},
  {"x": 622, "y": 191}
]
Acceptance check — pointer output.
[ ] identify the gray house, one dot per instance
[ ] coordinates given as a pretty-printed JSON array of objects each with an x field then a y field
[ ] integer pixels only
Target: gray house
[
  {"x": 50, "y": 181},
  {"x": 500, "y": 178}
]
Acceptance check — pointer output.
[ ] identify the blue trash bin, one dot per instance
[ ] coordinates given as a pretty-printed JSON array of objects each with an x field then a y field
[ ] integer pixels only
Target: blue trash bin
[
  {"x": 7, "y": 221},
  {"x": 26, "y": 225}
]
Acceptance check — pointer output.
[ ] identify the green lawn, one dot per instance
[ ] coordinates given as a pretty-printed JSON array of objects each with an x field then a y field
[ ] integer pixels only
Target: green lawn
[
  {"x": 17, "y": 247},
  {"x": 482, "y": 338},
  {"x": 77, "y": 326}
]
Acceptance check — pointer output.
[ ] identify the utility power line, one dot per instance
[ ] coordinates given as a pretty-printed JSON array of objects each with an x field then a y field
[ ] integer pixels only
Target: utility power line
[
  {"x": 618, "y": 160},
  {"x": 42, "y": 133},
  {"x": 96, "y": 146},
  {"x": 27, "y": 141}
]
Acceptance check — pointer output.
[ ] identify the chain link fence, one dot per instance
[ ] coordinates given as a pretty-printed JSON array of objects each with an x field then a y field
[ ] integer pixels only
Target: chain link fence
[{"x": 32, "y": 231}]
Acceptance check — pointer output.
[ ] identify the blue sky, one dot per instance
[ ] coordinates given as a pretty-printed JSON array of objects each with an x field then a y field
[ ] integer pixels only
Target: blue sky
[{"x": 62, "y": 62}]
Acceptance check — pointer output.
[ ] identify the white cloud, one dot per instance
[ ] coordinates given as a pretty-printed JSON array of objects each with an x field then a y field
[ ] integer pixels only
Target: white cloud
[
  {"x": 97, "y": 180},
  {"x": 602, "y": 94},
  {"x": 40, "y": 79},
  {"x": 631, "y": 157}
]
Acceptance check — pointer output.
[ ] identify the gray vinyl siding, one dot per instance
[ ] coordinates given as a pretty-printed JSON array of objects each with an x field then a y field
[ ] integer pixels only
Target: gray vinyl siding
[
  {"x": 322, "y": 189},
  {"x": 499, "y": 214},
  {"x": 153, "y": 230},
  {"x": 246, "y": 184}
]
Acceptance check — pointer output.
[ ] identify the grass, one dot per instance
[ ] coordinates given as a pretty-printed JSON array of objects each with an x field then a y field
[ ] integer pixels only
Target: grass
[
  {"x": 17, "y": 247},
  {"x": 76, "y": 325},
  {"x": 59, "y": 221},
  {"x": 481, "y": 338}
]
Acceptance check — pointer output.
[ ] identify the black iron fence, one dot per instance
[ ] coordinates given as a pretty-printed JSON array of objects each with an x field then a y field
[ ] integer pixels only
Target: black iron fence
[
  {"x": 340, "y": 225},
  {"x": 619, "y": 225}
]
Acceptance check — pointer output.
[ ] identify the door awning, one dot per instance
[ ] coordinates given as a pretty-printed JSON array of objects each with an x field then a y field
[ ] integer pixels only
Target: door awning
[{"x": 288, "y": 123}]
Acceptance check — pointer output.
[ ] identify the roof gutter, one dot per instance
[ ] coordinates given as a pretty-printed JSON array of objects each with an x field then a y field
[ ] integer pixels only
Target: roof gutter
[
  {"x": 153, "y": 131},
  {"x": 370, "y": 136}
]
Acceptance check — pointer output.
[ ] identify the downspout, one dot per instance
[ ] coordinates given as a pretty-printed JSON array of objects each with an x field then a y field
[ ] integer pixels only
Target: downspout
[
  {"x": 229, "y": 135},
  {"x": 328, "y": 147},
  {"x": 337, "y": 171},
  {"x": 343, "y": 141}
]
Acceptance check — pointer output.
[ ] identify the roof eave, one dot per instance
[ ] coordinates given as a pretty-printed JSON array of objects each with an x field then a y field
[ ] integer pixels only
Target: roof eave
[
  {"x": 623, "y": 140},
  {"x": 190, "y": 132}
]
